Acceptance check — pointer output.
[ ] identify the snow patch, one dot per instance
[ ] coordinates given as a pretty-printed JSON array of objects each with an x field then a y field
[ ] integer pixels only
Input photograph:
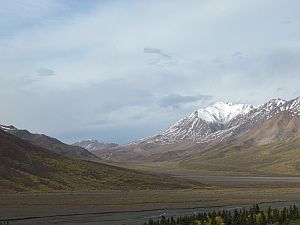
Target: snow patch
[
  {"x": 223, "y": 112},
  {"x": 7, "y": 128}
]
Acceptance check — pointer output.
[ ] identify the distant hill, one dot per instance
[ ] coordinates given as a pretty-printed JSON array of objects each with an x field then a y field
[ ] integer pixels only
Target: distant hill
[
  {"x": 95, "y": 145},
  {"x": 25, "y": 167},
  {"x": 51, "y": 143}
]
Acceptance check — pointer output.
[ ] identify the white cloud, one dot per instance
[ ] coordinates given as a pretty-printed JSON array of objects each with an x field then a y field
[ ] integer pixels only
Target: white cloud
[{"x": 103, "y": 57}]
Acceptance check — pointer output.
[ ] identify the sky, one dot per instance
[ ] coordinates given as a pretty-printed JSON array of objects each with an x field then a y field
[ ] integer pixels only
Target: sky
[{"x": 118, "y": 71}]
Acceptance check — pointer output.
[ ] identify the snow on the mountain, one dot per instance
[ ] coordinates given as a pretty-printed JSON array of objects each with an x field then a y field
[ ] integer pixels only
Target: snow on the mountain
[
  {"x": 223, "y": 112},
  {"x": 90, "y": 144},
  {"x": 222, "y": 121},
  {"x": 294, "y": 106},
  {"x": 7, "y": 128},
  {"x": 94, "y": 145},
  {"x": 272, "y": 104},
  {"x": 201, "y": 124}
]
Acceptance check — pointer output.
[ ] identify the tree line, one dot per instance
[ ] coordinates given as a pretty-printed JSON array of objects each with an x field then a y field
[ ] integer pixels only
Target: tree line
[
  {"x": 4, "y": 222},
  {"x": 253, "y": 216}
]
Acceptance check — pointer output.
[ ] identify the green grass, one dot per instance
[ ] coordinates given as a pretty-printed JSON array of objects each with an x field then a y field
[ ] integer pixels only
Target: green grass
[
  {"x": 28, "y": 168},
  {"x": 74, "y": 175},
  {"x": 295, "y": 222},
  {"x": 235, "y": 159}
]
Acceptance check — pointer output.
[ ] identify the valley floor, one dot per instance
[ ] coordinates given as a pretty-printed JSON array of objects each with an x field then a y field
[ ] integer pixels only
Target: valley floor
[{"x": 135, "y": 207}]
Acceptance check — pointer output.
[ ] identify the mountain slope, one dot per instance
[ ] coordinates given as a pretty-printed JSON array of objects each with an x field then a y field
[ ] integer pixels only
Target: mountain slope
[
  {"x": 25, "y": 167},
  {"x": 222, "y": 122},
  {"x": 51, "y": 144},
  {"x": 272, "y": 147},
  {"x": 94, "y": 145},
  {"x": 265, "y": 140},
  {"x": 200, "y": 124}
]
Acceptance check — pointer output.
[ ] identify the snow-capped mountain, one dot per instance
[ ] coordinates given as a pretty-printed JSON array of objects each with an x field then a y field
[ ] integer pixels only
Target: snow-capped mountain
[
  {"x": 222, "y": 112},
  {"x": 226, "y": 138},
  {"x": 201, "y": 123},
  {"x": 7, "y": 128},
  {"x": 95, "y": 145},
  {"x": 223, "y": 121}
]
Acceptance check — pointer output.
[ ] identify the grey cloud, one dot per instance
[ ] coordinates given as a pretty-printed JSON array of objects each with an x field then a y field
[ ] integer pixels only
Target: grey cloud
[
  {"x": 156, "y": 51},
  {"x": 217, "y": 61},
  {"x": 287, "y": 20},
  {"x": 237, "y": 54},
  {"x": 99, "y": 122},
  {"x": 138, "y": 116},
  {"x": 160, "y": 58},
  {"x": 85, "y": 50},
  {"x": 272, "y": 66},
  {"x": 160, "y": 63},
  {"x": 25, "y": 84},
  {"x": 44, "y": 72},
  {"x": 283, "y": 61},
  {"x": 116, "y": 94},
  {"x": 176, "y": 100},
  {"x": 26, "y": 80}
]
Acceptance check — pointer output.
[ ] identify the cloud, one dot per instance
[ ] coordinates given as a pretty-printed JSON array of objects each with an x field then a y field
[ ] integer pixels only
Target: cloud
[
  {"x": 45, "y": 72},
  {"x": 287, "y": 21},
  {"x": 26, "y": 81},
  {"x": 237, "y": 54},
  {"x": 283, "y": 61},
  {"x": 144, "y": 70},
  {"x": 160, "y": 58},
  {"x": 176, "y": 100},
  {"x": 156, "y": 51}
]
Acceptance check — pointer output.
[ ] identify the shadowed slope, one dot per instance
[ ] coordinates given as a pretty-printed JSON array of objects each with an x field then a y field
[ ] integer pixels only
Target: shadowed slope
[
  {"x": 26, "y": 167},
  {"x": 51, "y": 144}
]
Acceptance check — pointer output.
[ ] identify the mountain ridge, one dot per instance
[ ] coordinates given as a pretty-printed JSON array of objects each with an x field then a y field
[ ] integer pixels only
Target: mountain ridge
[
  {"x": 195, "y": 128},
  {"x": 25, "y": 167},
  {"x": 94, "y": 145},
  {"x": 50, "y": 143},
  {"x": 271, "y": 127}
]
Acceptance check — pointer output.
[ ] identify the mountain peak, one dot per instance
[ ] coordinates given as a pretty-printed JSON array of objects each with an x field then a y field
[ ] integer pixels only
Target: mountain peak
[
  {"x": 221, "y": 112},
  {"x": 293, "y": 106},
  {"x": 7, "y": 128},
  {"x": 273, "y": 104},
  {"x": 222, "y": 104},
  {"x": 276, "y": 101},
  {"x": 222, "y": 121},
  {"x": 94, "y": 145}
]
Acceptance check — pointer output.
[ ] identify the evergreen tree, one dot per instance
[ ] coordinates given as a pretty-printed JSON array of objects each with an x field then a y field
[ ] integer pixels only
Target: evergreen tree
[
  {"x": 241, "y": 217},
  {"x": 256, "y": 209}
]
